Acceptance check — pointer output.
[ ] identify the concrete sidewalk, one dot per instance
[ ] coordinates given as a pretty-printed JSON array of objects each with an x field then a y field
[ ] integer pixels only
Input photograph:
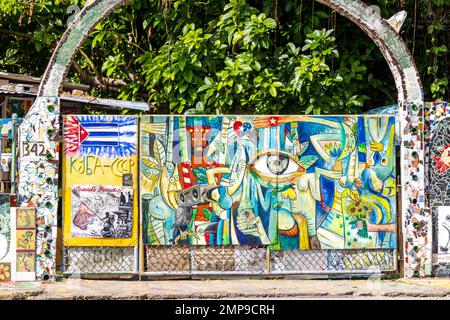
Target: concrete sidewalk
[{"x": 223, "y": 289}]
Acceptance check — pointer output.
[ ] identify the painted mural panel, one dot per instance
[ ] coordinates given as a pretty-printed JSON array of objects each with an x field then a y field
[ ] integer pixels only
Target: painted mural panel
[
  {"x": 100, "y": 180},
  {"x": 6, "y": 241},
  {"x": 5, "y": 226},
  {"x": 292, "y": 182},
  {"x": 25, "y": 243},
  {"x": 102, "y": 211},
  {"x": 439, "y": 184},
  {"x": 6, "y": 127}
]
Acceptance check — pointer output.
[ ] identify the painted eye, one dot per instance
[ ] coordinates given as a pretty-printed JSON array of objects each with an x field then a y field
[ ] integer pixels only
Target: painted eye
[
  {"x": 276, "y": 164},
  {"x": 384, "y": 162},
  {"x": 274, "y": 168}
]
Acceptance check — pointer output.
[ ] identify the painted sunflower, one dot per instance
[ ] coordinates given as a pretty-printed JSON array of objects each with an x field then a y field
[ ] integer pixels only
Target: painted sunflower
[
  {"x": 5, "y": 272},
  {"x": 359, "y": 212}
]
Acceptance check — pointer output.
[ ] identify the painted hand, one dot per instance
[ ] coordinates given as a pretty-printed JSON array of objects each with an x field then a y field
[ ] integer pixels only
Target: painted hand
[
  {"x": 359, "y": 225},
  {"x": 370, "y": 227},
  {"x": 324, "y": 206},
  {"x": 376, "y": 146},
  {"x": 357, "y": 182},
  {"x": 354, "y": 194},
  {"x": 247, "y": 223},
  {"x": 314, "y": 243}
]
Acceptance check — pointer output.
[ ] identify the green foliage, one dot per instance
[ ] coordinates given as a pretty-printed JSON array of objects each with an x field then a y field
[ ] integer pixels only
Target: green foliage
[
  {"x": 231, "y": 56},
  {"x": 232, "y": 66}
]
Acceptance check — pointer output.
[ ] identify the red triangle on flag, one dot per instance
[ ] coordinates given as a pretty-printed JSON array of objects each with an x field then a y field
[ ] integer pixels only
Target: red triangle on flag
[{"x": 83, "y": 134}]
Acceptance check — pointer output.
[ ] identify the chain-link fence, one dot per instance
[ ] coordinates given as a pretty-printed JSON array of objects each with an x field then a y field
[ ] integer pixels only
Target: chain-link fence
[
  {"x": 226, "y": 260},
  {"x": 193, "y": 260},
  {"x": 100, "y": 260}
]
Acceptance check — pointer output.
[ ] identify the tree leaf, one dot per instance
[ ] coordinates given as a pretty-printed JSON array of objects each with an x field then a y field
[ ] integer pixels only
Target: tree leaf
[
  {"x": 308, "y": 161},
  {"x": 151, "y": 163},
  {"x": 200, "y": 173},
  {"x": 273, "y": 91},
  {"x": 277, "y": 205},
  {"x": 159, "y": 152}
]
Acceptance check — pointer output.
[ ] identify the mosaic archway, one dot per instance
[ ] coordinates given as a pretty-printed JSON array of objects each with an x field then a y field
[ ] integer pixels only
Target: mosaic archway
[{"x": 38, "y": 181}]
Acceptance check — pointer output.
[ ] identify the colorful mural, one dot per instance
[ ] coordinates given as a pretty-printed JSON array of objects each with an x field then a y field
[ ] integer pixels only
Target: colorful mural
[
  {"x": 25, "y": 243},
  {"x": 102, "y": 211},
  {"x": 5, "y": 226},
  {"x": 100, "y": 181},
  {"x": 7, "y": 246},
  {"x": 292, "y": 182},
  {"x": 6, "y": 127},
  {"x": 437, "y": 183}
]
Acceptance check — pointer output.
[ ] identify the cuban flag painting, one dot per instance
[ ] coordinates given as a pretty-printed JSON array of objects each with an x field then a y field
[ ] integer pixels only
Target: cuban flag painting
[{"x": 111, "y": 136}]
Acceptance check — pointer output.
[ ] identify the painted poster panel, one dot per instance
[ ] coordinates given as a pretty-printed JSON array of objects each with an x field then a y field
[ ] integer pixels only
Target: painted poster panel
[
  {"x": 6, "y": 126},
  {"x": 292, "y": 182},
  {"x": 5, "y": 226},
  {"x": 25, "y": 244},
  {"x": 100, "y": 180},
  {"x": 439, "y": 184},
  {"x": 444, "y": 230},
  {"x": 102, "y": 211}
]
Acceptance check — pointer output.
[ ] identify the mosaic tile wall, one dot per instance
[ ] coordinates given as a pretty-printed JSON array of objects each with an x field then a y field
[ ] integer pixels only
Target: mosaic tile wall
[
  {"x": 417, "y": 220},
  {"x": 438, "y": 182},
  {"x": 38, "y": 178}
]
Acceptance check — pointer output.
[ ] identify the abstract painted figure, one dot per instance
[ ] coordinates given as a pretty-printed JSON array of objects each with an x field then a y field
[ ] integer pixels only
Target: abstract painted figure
[
  {"x": 292, "y": 182},
  {"x": 5, "y": 226}
]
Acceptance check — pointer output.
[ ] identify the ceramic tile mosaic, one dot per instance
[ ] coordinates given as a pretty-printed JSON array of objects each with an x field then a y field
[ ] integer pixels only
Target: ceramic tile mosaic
[
  {"x": 417, "y": 220},
  {"x": 5, "y": 271},
  {"x": 38, "y": 178}
]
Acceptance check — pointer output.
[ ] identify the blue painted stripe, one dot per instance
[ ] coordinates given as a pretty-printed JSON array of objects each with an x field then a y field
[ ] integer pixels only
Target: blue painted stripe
[
  {"x": 113, "y": 126},
  {"x": 99, "y": 143},
  {"x": 104, "y": 134},
  {"x": 112, "y": 133}
]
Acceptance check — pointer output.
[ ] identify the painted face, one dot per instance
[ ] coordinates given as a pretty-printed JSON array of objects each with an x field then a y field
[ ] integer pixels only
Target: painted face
[
  {"x": 446, "y": 222},
  {"x": 273, "y": 167}
]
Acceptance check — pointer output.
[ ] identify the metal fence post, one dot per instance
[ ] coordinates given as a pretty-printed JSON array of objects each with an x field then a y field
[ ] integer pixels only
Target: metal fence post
[{"x": 13, "y": 153}]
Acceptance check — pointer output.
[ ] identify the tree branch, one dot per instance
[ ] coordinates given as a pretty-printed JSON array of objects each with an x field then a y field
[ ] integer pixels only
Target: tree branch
[
  {"x": 92, "y": 65},
  {"x": 17, "y": 34},
  {"x": 106, "y": 83}
]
